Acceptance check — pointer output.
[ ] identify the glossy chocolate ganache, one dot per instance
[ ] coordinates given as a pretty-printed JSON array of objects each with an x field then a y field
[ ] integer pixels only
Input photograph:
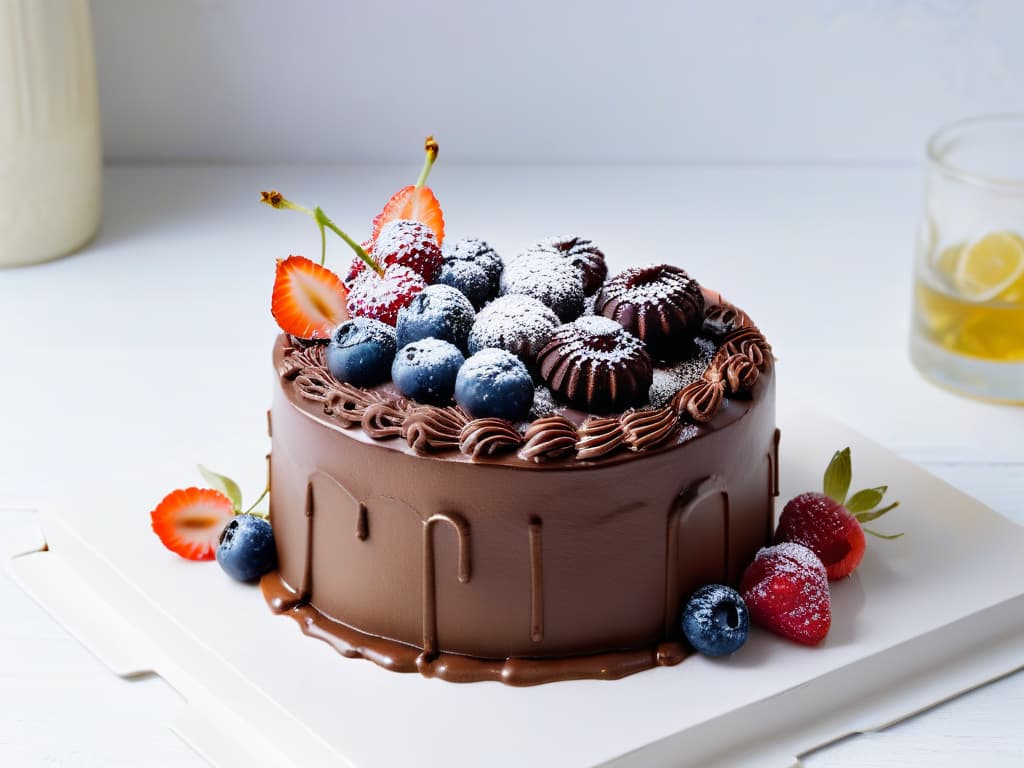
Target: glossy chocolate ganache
[{"x": 551, "y": 549}]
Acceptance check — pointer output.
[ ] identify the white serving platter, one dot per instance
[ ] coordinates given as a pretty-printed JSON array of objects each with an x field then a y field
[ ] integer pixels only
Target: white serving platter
[{"x": 926, "y": 617}]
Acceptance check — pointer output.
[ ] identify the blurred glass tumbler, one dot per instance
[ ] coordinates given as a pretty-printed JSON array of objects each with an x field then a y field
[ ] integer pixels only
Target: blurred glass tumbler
[
  {"x": 50, "y": 166},
  {"x": 968, "y": 324}
]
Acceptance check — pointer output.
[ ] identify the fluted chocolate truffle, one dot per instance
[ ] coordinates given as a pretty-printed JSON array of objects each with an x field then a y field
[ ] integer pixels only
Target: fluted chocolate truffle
[
  {"x": 595, "y": 365},
  {"x": 660, "y": 304}
]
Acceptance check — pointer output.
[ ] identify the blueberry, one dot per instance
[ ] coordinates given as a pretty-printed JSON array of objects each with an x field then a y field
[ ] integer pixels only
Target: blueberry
[
  {"x": 469, "y": 278},
  {"x": 715, "y": 620},
  {"x": 494, "y": 383},
  {"x": 478, "y": 252},
  {"x": 361, "y": 351},
  {"x": 246, "y": 550},
  {"x": 439, "y": 312},
  {"x": 425, "y": 370}
]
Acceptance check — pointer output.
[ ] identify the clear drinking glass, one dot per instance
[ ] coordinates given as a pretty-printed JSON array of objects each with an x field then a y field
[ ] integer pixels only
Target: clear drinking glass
[{"x": 968, "y": 323}]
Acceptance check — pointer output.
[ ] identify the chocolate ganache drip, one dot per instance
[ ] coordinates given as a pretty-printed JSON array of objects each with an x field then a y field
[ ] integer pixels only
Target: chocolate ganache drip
[
  {"x": 428, "y": 428},
  {"x": 598, "y": 436},
  {"x": 648, "y": 428},
  {"x": 486, "y": 437},
  {"x": 548, "y": 438}
]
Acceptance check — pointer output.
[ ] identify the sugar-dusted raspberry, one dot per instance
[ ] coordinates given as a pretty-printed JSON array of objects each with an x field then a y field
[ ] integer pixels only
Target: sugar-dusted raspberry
[
  {"x": 596, "y": 365},
  {"x": 660, "y": 304},
  {"x": 411, "y": 244},
  {"x": 380, "y": 297}
]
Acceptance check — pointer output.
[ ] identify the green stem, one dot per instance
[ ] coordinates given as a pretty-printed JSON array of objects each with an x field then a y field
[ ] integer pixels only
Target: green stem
[
  {"x": 323, "y": 221},
  {"x": 430, "y": 147},
  {"x": 261, "y": 498}
]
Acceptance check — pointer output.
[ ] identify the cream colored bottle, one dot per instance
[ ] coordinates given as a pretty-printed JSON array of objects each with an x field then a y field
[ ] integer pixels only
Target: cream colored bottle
[{"x": 50, "y": 156}]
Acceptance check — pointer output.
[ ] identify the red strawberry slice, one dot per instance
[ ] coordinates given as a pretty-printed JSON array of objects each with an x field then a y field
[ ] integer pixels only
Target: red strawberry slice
[
  {"x": 308, "y": 300},
  {"x": 189, "y": 521},
  {"x": 829, "y": 523},
  {"x": 786, "y": 591},
  {"x": 415, "y": 203}
]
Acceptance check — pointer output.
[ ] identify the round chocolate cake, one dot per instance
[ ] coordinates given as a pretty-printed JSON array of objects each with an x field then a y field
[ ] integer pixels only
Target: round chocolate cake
[{"x": 524, "y": 547}]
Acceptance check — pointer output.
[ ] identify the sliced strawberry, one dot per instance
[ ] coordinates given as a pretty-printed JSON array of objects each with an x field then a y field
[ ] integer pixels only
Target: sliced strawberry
[
  {"x": 308, "y": 300},
  {"x": 189, "y": 521},
  {"x": 786, "y": 591},
  {"x": 415, "y": 203}
]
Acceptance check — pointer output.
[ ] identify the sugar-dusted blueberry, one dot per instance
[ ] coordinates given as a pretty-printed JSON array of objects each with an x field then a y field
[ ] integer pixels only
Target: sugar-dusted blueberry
[
  {"x": 439, "y": 311},
  {"x": 715, "y": 620},
  {"x": 469, "y": 278},
  {"x": 478, "y": 252},
  {"x": 246, "y": 549},
  {"x": 494, "y": 384},
  {"x": 425, "y": 370},
  {"x": 361, "y": 351}
]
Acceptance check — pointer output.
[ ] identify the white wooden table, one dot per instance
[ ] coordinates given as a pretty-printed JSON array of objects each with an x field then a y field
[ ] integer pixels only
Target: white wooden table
[{"x": 821, "y": 257}]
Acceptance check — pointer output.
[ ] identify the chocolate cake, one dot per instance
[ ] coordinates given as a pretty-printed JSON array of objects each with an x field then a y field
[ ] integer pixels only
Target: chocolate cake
[{"x": 530, "y": 550}]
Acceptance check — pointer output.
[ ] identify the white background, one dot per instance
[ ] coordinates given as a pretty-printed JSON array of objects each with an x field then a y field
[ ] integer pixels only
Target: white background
[{"x": 835, "y": 81}]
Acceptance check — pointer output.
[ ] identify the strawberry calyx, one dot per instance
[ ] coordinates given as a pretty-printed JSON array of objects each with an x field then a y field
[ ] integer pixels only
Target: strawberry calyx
[{"x": 863, "y": 504}]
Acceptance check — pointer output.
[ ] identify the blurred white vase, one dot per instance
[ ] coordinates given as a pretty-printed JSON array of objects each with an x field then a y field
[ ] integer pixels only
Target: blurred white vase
[{"x": 50, "y": 157}]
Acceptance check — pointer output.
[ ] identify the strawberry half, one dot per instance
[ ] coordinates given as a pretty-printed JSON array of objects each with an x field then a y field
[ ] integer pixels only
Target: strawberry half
[
  {"x": 416, "y": 204},
  {"x": 308, "y": 300},
  {"x": 829, "y": 523},
  {"x": 189, "y": 521},
  {"x": 786, "y": 591}
]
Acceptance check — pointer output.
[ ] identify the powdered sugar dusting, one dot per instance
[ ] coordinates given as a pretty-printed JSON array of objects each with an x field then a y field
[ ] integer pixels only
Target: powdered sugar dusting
[
  {"x": 553, "y": 281},
  {"x": 519, "y": 324},
  {"x": 668, "y": 381},
  {"x": 544, "y": 404}
]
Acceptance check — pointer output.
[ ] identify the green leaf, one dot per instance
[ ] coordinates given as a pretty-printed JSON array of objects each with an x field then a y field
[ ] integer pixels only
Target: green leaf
[
  {"x": 838, "y": 475},
  {"x": 225, "y": 485},
  {"x": 878, "y": 535},
  {"x": 867, "y": 517},
  {"x": 867, "y": 499}
]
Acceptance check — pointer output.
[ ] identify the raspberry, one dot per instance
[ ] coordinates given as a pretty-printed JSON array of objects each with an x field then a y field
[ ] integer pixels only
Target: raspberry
[
  {"x": 411, "y": 244},
  {"x": 380, "y": 298}
]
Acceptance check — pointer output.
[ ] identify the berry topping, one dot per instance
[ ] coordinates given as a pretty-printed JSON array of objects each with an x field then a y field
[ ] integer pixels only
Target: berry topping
[
  {"x": 554, "y": 282},
  {"x": 469, "y": 279},
  {"x": 308, "y": 301},
  {"x": 189, "y": 521},
  {"x": 829, "y": 524},
  {"x": 411, "y": 244},
  {"x": 355, "y": 269},
  {"x": 660, "y": 304},
  {"x": 425, "y": 370},
  {"x": 361, "y": 352},
  {"x": 475, "y": 251},
  {"x": 715, "y": 620},
  {"x": 416, "y": 202},
  {"x": 518, "y": 324},
  {"x": 439, "y": 311},
  {"x": 582, "y": 254},
  {"x": 494, "y": 383},
  {"x": 595, "y": 364},
  {"x": 380, "y": 298},
  {"x": 786, "y": 591},
  {"x": 246, "y": 548}
]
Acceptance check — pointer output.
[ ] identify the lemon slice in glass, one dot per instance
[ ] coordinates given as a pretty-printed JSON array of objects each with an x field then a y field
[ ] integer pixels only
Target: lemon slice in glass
[{"x": 992, "y": 267}]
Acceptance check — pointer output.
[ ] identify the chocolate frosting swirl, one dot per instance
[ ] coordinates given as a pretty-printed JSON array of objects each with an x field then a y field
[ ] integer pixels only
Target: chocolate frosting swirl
[
  {"x": 702, "y": 400},
  {"x": 298, "y": 360},
  {"x": 750, "y": 342},
  {"x": 485, "y": 437},
  {"x": 383, "y": 420},
  {"x": 740, "y": 373},
  {"x": 648, "y": 428},
  {"x": 342, "y": 402},
  {"x": 722, "y": 318},
  {"x": 597, "y": 436},
  {"x": 428, "y": 428},
  {"x": 551, "y": 437}
]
